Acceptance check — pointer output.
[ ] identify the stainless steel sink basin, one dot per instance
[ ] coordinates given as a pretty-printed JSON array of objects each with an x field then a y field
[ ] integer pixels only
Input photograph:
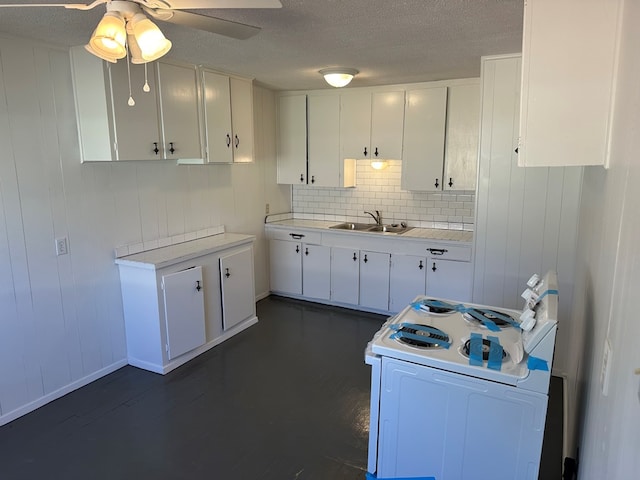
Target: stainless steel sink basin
[
  {"x": 368, "y": 227},
  {"x": 362, "y": 227}
]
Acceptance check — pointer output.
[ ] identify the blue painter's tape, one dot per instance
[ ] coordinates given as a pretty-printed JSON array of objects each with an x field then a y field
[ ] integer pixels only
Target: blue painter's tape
[
  {"x": 495, "y": 353},
  {"x": 419, "y": 338},
  {"x": 535, "y": 363},
  {"x": 487, "y": 323},
  {"x": 547, "y": 292},
  {"x": 475, "y": 349},
  {"x": 371, "y": 476}
]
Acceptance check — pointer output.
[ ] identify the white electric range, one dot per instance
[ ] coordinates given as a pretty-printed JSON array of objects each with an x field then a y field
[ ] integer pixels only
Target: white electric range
[{"x": 459, "y": 391}]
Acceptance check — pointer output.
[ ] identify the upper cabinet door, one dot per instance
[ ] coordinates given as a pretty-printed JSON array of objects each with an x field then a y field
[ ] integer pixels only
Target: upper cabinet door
[
  {"x": 355, "y": 124},
  {"x": 424, "y": 132},
  {"x": 324, "y": 141},
  {"x": 292, "y": 139},
  {"x": 463, "y": 128},
  {"x": 242, "y": 119},
  {"x": 217, "y": 117},
  {"x": 387, "y": 119},
  {"x": 568, "y": 70},
  {"x": 136, "y": 128},
  {"x": 179, "y": 106}
]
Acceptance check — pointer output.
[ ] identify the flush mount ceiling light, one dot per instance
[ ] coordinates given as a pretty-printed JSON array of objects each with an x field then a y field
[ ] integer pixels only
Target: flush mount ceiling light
[
  {"x": 338, "y": 77},
  {"x": 379, "y": 164}
]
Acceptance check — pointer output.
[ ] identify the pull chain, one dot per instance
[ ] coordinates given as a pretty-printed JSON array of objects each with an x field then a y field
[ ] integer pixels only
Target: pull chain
[
  {"x": 131, "y": 102},
  {"x": 145, "y": 88}
]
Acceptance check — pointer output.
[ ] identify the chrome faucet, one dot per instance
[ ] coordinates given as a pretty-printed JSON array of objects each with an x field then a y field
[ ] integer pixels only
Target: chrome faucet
[{"x": 377, "y": 217}]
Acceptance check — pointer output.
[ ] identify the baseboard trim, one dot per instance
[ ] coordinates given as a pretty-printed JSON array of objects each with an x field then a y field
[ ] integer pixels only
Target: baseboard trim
[{"x": 50, "y": 397}]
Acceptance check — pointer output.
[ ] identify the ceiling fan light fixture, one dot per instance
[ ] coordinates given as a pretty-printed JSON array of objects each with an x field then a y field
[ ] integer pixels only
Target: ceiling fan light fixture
[
  {"x": 135, "y": 54},
  {"x": 109, "y": 38},
  {"x": 151, "y": 41},
  {"x": 338, "y": 77}
]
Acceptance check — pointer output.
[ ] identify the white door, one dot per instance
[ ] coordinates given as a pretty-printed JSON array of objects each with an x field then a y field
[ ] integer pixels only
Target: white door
[
  {"x": 286, "y": 266},
  {"x": 355, "y": 124},
  {"x": 179, "y": 108},
  {"x": 407, "y": 279},
  {"x": 324, "y": 141},
  {"x": 137, "y": 129},
  {"x": 242, "y": 119},
  {"x": 423, "y": 143},
  {"x": 374, "y": 280},
  {"x": 292, "y": 139},
  {"x": 387, "y": 119},
  {"x": 316, "y": 278},
  {"x": 449, "y": 279},
  {"x": 184, "y": 311},
  {"x": 217, "y": 117},
  {"x": 345, "y": 272},
  {"x": 463, "y": 130},
  {"x": 237, "y": 286}
]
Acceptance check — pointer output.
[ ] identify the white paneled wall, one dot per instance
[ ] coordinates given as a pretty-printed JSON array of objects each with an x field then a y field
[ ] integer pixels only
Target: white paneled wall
[
  {"x": 380, "y": 190},
  {"x": 527, "y": 218},
  {"x": 61, "y": 322}
]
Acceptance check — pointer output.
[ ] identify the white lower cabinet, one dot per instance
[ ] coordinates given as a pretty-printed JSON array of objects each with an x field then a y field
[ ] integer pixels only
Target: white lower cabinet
[
  {"x": 407, "y": 280},
  {"x": 449, "y": 279},
  {"x": 176, "y": 309},
  {"x": 345, "y": 275},
  {"x": 374, "y": 280},
  {"x": 316, "y": 278},
  {"x": 286, "y": 266}
]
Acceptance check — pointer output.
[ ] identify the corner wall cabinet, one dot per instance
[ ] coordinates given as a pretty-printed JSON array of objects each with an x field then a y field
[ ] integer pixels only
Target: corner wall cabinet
[
  {"x": 228, "y": 118},
  {"x": 568, "y": 74},
  {"x": 182, "y": 300}
]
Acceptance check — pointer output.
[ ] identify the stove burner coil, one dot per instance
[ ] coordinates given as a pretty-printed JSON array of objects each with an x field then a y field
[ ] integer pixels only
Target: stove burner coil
[
  {"x": 421, "y": 336},
  {"x": 486, "y": 317},
  {"x": 485, "y": 348},
  {"x": 437, "y": 307}
]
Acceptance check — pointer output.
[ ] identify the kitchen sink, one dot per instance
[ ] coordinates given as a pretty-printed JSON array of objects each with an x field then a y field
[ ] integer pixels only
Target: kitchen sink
[{"x": 368, "y": 227}]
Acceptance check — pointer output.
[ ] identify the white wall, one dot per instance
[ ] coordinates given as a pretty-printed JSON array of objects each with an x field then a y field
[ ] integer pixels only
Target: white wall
[
  {"x": 61, "y": 321},
  {"x": 608, "y": 270}
]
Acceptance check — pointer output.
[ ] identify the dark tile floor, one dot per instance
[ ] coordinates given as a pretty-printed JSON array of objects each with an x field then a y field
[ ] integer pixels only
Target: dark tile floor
[{"x": 286, "y": 399}]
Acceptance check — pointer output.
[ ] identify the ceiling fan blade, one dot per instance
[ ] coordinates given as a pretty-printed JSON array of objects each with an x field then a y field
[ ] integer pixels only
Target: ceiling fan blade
[
  {"x": 209, "y": 4},
  {"x": 227, "y": 28}
]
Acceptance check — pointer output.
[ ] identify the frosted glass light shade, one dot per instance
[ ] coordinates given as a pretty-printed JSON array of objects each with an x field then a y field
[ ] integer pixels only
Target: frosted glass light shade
[
  {"x": 109, "y": 38},
  {"x": 379, "y": 164},
  {"x": 338, "y": 77},
  {"x": 150, "y": 39}
]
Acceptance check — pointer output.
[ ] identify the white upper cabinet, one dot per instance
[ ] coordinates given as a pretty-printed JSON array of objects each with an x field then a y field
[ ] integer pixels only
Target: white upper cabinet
[
  {"x": 463, "y": 131},
  {"x": 424, "y": 131},
  {"x": 228, "y": 118},
  {"x": 568, "y": 72},
  {"x": 326, "y": 168},
  {"x": 371, "y": 124},
  {"x": 442, "y": 124},
  {"x": 292, "y": 139}
]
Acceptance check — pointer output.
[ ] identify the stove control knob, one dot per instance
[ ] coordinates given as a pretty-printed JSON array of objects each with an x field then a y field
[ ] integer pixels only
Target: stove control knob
[
  {"x": 530, "y": 296},
  {"x": 527, "y": 320},
  {"x": 533, "y": 281}
]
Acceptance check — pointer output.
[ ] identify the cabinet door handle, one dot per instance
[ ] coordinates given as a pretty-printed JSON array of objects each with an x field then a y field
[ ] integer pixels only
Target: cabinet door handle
[
  {"x": 365, "y": 151},
  {"x": 301, "y": 178},
  {"x": 434, "y": 267},
  {"x": 306, "y": 251},
  {"x": 517, "y": 150},
  {"x": 376, "y": 152},
  {"x": 227, "y": 274},
  {"x": 171, "y": 149},
  {"x": 354, "y": 256},
  {"x": 297, "y": 236},
  {"x": 365, "y": 259},
  {"x": 450, "y": 182},
  {"x": 437, "y": 184},
  {"x": 237, "y": 141},
  {"x": 437, "y": 251},
  {"x": 297, "y": 249},
  {"x": 420, "y": 266},
  {"x": 155, "y": 148},
  {"x": 313, "y": 179},
  {"x": 228, "y": 140},
  {"x": 198, "y": 287}
]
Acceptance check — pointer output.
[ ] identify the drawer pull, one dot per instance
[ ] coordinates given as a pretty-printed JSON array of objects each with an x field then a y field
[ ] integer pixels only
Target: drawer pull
[
  {"x": 297, "y": 236},
  {"x": 437, "y": 251}
]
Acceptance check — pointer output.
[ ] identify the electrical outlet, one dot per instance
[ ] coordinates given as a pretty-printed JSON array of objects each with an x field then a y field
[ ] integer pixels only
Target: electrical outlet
[
  {"x": 62, "y": 248},
  {"x": 606, "y": 367},
  {"x": 266, "y": 209}
]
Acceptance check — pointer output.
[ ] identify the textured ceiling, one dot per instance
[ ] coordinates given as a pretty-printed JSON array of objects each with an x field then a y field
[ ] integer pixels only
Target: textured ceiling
[{"x": 389, "y": 41}]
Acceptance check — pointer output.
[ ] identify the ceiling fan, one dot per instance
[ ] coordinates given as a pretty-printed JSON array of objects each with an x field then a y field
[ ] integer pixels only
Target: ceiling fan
[{"x": 126, "y": 26}]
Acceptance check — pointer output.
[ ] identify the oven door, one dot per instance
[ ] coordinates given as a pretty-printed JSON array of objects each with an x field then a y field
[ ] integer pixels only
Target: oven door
[{"x": 434, "y": 423}]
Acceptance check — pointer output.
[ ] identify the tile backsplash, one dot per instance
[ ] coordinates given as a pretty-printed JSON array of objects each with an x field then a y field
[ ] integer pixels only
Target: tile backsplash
[{"x": 380, "y": 190}]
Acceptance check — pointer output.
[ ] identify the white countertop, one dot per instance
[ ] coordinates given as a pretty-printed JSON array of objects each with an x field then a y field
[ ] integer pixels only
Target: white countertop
[
  {"x": 165, "y": 256},
  {"x": 462, "y": 236}
]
